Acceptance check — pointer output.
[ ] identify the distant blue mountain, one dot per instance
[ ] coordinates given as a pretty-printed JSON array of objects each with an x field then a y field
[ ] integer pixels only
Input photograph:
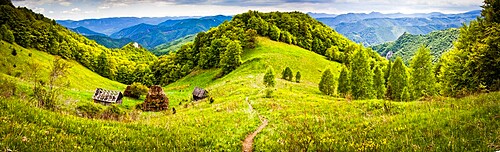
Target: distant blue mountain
[
  {"x": 376, "y": 28},
  {"x": 85, "y": 31},
  {"x": 109, "y": 26},
  {"x": 150, "y": 36}
]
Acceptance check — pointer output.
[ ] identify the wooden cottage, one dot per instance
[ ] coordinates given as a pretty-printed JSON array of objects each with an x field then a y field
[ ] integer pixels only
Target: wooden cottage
[
  {"x": 199, "y": 94},
  {"x": 107, "y": 97}
]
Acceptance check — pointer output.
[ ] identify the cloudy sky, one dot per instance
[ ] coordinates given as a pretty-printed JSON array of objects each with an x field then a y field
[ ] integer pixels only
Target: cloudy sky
[{"x": 86, "y": 9}]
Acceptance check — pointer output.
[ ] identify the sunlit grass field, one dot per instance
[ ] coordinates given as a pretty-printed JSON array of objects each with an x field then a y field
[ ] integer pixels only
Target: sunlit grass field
[{"x": 300, "y": 117}]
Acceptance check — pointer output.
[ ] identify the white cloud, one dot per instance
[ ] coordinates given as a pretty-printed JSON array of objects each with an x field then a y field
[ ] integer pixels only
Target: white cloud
[
  {"x": 103, "y": 7},
  {"x": 72, "y": 11},
  {"x": 39, "y": 10},
  {"x": 65, "y": 3}
]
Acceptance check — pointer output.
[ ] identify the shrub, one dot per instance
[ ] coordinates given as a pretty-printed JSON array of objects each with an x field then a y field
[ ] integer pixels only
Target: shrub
[
  {"x": 8, "y": 88},
  {"x": 14, "y": 52},
  {"x": 89, "y": 110},
  {"x": 137, "y": 89},
  {"x": 269, "y": 92},
  {"x": 113, "y": 112}
]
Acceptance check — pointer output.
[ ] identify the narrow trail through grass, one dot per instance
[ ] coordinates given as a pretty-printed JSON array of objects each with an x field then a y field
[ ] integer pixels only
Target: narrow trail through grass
[{"x": 248, "y": 142}]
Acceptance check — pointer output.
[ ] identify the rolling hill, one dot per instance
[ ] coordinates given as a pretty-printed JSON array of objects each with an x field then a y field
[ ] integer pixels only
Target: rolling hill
[
  {"x": 407, "y": 44},
  {"x": 376, "y": 28},
  {"x": 299, "y": 117},
  {"x": 296, "y": 111}
]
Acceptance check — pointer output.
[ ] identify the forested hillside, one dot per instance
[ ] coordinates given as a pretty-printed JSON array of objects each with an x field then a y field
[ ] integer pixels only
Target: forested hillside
[
  {"x": 222, "y": 47},
  {"x": 377, "y": 28},
  {"x": 151, "y": 36},
  {"x": 110, "y": 42},
  {"x": 31, "y": 30},
  {"x": 407, "y": 44},
  {"x": 172, "y": 46},
  {"x": 86, "y": 32},
  {"x": 473, "y": 64}
]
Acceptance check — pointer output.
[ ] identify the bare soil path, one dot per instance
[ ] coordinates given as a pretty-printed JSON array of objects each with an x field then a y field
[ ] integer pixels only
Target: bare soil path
[{"x": 248, "y": 142}]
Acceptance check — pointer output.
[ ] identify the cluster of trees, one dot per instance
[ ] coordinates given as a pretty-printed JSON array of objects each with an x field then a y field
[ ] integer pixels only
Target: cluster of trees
[
  {"x": 221, "y": 47},
  {"x": 31, "y": 30},
  {"x": 287, "y": 74},
  {"x": 473, "y": 64},
  {"x": 470, "y": 67},
  {"x": 368, "y": 79}
]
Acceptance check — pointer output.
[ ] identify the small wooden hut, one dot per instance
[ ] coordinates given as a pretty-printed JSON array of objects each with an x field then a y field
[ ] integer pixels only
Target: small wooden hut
[
  {"x": 199, "y": 93},
  {"x": 107, "y": 97}
]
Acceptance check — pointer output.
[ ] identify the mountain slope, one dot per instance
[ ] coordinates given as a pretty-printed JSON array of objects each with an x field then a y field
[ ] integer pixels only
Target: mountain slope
[
  {"x": 172, "y": 46},
  {"x": 80, "y": 77},
  {"x": 109, "y": 26},
  {"x": 86, "y": 32},
  {"x": 34, "y": 31},
  {"x": 376, "y": 28},
  {"x": 151, "y": 36},
  {"x": 407, "y": 44},
  {"x": 110, "y": 42}
]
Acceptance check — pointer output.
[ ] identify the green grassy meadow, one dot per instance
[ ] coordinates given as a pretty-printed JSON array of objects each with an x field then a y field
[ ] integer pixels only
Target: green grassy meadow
[{"x": 300, "y": 117}]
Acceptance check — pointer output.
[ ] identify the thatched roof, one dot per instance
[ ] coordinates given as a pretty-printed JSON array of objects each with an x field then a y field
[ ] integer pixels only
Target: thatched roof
[{"x": 107, "y": 95}]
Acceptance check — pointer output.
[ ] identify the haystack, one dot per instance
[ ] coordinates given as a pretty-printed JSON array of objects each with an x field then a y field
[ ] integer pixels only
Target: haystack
[{"x": 156, "y": 100}]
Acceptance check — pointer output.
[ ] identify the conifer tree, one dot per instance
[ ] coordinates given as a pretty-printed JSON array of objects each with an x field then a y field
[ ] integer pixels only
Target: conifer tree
[
  {"x": 290, "y": 74},
  {"x": 422, "y": 79},
  {"x": 297, "y": 77},
  {"x": 287, "y": 74},
  {"x": 361, "y": 76},
  {"x": 405, "y": 96},
  {"x": 387, "y": 72},
  {"x": 326, "y": 84},
  {"x": 344, "y": 86},
  {"x": 379, "y": 82},
  {"x": 269, "y": 77},
  {"x": 398, "y": 79}
]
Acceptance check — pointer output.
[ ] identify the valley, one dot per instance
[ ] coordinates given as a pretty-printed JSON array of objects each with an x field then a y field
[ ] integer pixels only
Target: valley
[{"x": 275, "y": 81}]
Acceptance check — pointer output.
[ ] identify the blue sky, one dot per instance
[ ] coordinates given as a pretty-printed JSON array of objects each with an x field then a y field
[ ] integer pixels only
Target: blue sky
[{"x": 86, "y": 9}]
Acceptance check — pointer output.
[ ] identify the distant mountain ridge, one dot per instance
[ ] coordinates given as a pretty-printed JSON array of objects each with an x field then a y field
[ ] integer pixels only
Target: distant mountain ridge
[
  {"x": 86, "y": 32},
  {"x": 109, "y": 26},
  {"x": 376, "y": 28},
  {"x": 151, "y": 36}
]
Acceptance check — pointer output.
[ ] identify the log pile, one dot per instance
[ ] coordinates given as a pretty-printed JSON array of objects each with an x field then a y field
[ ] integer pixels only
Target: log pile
[{"x": 156, "y": 100}]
